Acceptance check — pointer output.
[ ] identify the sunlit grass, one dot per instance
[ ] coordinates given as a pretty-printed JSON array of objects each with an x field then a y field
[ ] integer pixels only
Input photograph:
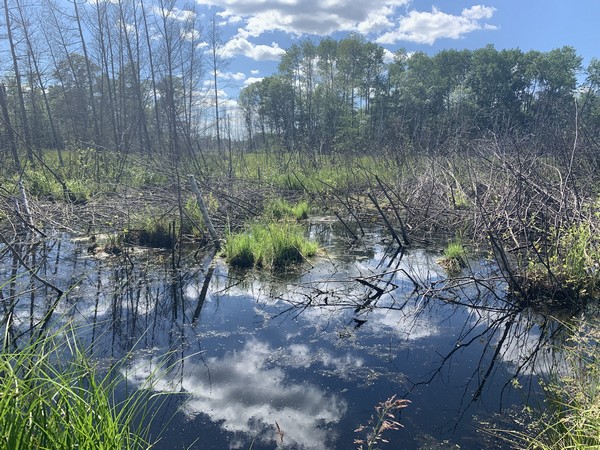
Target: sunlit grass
[
  {"x": 52, "y": 397},
  {"x": 455, "y": 256},
  {"x": 279, "y": 208},
  {"x": 570, "y": 415},
  {"x": 273, "y": 246}
]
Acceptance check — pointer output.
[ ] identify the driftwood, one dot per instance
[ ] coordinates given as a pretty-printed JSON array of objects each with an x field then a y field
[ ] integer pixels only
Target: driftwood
[{"x": 204, "y": 211}]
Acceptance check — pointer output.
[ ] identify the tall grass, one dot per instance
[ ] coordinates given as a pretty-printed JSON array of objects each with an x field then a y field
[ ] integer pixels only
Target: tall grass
[
  {"x": 570, "y": 415},
  {"x": 571, "y": 419},
  {"x": 273, "y": 246},
  {"x": 52, "y": 397},
  {"x": 279, "y": 208}
]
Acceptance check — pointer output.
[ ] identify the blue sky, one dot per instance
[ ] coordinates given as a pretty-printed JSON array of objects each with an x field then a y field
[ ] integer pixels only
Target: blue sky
[{"x": 256, "y": 32}]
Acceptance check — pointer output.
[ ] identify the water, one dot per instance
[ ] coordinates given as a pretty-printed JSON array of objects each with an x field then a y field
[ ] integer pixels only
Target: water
[{"x": 300, "y": 360}]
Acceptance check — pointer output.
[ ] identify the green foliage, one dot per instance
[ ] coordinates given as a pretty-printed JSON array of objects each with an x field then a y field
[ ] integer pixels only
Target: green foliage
[
  {"x": 570, "y": 418},
  {"x": 313, "y": 175},
  {"x": 573, "y": 261},
  {"x": 49, "y": 403},
  {"x": 455, "y": 256},
  {"x": 273, "y": 246}
]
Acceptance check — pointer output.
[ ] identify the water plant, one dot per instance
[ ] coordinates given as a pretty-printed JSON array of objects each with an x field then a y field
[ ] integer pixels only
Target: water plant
[
  {"x": 570, "y": 415},
  {"x": 52, "y": 397},
  {"x": 568, "y": 268},
  {"x": 384, "y": 419},
  {"x": 273, "y": 246}
]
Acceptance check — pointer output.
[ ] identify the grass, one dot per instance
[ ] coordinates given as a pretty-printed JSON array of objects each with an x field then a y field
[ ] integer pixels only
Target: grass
[
  {"x": 279, "y": 208},
  {"x": 384, "y": 419},
  {"x": 315, "y": 174},
  {"x": 274, "y": 246},
  {"x": 52, "y": 397},
  {"x": 570, "y": 416},
  {"x": 573, "y": 264},
  {"x": 455, "y": 256}
]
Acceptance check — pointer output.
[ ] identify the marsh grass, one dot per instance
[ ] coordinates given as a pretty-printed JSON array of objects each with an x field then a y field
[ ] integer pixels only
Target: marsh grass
[
  {"x": 279, "y": 209},
  {"x": 52, "y": 397},
  {"x": 379, "y": 423},
  {"x": 570, "y": 415},
  {"x": 455, "y": 256},
  {"x": 313, "y": 174},
  {"x": 571, "y": 269},
  {"x": 272, "y": 246}
]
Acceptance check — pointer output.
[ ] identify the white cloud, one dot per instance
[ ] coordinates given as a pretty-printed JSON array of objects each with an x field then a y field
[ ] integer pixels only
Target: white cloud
[
  {"x": 245, "y": 392},
  {"x": 320, "y": 17},
  {"x": 251, "y": 80},
  {"x": 255, "y": 72},
  {"x": 388, "y": 56},
  {"x": 427, "y": 27},
  {"x": 238, "y": 76},
  {"x": 241, "y": 46},
  {"x": 182, "y": 15}
]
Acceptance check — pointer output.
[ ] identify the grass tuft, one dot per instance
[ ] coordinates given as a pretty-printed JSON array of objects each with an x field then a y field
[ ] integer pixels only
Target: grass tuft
[
  {"x": 279, "y": 209},
  {"x": 455, "y": 257},
  {"x": 274, "y": 246},
  {"x": 51, "y": 397}
]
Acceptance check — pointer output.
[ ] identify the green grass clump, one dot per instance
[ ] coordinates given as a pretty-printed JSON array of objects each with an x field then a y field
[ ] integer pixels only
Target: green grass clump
[
  {"x": 274, "y": 246},
  {"x": 455, "y": 256},
  {"x": 279, "y": 209},
  {"x": 51, "y": 397}
]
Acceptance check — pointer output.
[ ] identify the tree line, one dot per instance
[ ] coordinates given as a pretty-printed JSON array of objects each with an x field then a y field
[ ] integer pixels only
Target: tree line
[
  {"x": 341, "y": 96},
  {"x": 142, "y": 77}
]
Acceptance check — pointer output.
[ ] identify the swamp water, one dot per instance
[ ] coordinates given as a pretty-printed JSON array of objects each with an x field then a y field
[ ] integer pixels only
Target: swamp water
[{"x": 299, "y": 360}]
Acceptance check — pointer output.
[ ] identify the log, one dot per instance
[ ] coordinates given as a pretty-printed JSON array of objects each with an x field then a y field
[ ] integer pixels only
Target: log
[{"x": 211, "y": 230}]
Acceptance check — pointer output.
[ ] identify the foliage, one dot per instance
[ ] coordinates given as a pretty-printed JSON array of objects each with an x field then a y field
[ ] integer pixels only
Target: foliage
[
  {"x": 570, "y": 417},
  {"x": 279, "y": 208},
  {"x": 51, "y": 397},
  {"x": 274, "y": 246},
  {"x": 572, "y": 261}
]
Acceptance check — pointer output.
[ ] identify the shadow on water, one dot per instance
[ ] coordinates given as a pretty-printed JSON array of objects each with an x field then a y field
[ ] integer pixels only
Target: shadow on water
[{"x": 294, "y": 359}]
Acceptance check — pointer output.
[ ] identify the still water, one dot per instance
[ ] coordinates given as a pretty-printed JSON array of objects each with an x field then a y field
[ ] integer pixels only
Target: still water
[{"x": 299, "y": 360}]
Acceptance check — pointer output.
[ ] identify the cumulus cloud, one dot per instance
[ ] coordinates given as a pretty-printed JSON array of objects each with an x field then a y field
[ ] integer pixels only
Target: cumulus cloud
[
  {"x": 251, "y": 80},
  {"x": 238, "y": 76},
  {"x": 320, "y": 17},
  {"x": 245, "y": 393},
  {"x": 241, "y": 46},
  {"x": 427, "y": 27}
]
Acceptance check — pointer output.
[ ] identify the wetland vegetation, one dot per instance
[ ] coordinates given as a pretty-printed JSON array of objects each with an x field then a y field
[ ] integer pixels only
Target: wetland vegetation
[{"x": 356, "y": 231}]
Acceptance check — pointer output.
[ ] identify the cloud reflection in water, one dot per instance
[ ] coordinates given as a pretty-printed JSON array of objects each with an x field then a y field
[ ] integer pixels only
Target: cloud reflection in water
[{"x": 247, "y": 393}]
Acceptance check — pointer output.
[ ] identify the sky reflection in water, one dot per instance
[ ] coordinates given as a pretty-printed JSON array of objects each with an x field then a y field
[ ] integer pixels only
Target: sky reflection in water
[{"x": 311, "y": 353}]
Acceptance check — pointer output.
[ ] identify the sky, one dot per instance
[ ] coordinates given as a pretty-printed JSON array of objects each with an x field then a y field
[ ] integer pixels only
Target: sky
[{"x": 256, "y": 32}]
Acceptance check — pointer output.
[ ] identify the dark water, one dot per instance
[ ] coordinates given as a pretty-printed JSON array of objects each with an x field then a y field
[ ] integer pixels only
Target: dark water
[{"x": 300, "y": 360}]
